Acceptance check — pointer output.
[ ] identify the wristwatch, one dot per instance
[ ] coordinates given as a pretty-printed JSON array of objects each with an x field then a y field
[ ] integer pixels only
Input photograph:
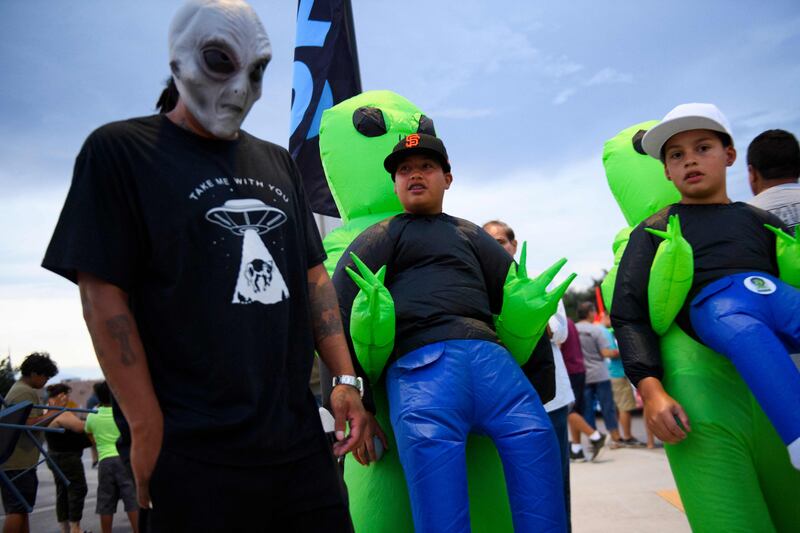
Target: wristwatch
[{"x": 353, "y": 381}]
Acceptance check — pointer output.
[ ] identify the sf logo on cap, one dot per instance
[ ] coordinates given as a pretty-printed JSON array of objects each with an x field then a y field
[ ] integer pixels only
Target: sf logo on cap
[{"x": 412, "y": 140}]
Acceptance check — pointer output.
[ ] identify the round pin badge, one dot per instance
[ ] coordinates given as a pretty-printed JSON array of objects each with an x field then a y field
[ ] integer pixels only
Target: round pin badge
[{"x": 759, "y": 285}]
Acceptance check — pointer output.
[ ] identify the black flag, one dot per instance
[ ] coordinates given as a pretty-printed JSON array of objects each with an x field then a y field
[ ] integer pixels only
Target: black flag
[{"x": 325, "y": 73}]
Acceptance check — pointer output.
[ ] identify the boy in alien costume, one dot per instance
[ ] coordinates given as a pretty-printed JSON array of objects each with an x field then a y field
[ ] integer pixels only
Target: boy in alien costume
[
  {"x": 731, "y": 469},
  {"x": 353, "y": 163}
]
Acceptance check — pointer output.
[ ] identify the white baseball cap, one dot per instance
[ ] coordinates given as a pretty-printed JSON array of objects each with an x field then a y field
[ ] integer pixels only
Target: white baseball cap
[{"x": 682, "y": 118}]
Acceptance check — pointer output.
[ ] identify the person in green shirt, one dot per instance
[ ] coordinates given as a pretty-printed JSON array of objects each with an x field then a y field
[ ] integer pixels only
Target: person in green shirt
[{"x": 114, "y": 479}]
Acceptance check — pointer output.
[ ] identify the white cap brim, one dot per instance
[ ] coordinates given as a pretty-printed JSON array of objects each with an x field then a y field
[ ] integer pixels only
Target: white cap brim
[{"x": 658, "y": 135}]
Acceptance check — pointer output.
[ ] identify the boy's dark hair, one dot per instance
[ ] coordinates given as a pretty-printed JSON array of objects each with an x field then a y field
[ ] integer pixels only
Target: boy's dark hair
[
  {"x": 102, "y": 392},
  {"x": 39, "y": 363},
  {"x": 775, "y": 154},
  {"x": 724, "y": 138},
  {"x": 58, "y": 388},
  {"x": 169, "y": 97},
  {"x": 502, "y": 225},
  {"x": 584, "y": 310}
]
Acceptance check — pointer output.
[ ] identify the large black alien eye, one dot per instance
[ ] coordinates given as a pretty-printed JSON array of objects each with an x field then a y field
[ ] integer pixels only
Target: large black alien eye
[
  {"x": 218, "y": 61},
  {"x": 637, "y": 141},
  {"x": 426, "y": 126},
  {"x": 258, "y": 71},
  {"x": 369, "y": 121}
]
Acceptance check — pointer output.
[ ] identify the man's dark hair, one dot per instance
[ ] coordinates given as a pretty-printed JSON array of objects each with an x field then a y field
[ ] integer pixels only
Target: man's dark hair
[
  {"x": 39, "y": 363},
  {"x": 169, "y": 97},
  {"x": 724, "y": 138},
  {"x": 584, "y": 310},
  {"x": 102, "y": 392},
  {"x": 58, "y": 388},
  {"x": 775, "y": 154},
  {"x": 502, "y": 225}
]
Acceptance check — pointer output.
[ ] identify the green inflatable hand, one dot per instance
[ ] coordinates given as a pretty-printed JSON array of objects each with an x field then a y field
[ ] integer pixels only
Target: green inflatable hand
[
  {"x": 607, "y": 285},
  {"x": 527, "y": 306},
  {"x": 671, "y": 275},
  {"x": 372, "y": 319},
  {"x": 788, "y": 253}
]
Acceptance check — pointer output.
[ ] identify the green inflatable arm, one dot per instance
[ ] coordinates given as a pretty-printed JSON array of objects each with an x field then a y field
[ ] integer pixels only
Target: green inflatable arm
[
  {"x": 372, "y": 319},
  {"x": 671, "y": 275},
  {"x": 607, "y": 286},
  {"x": 788, "y": 253},
  {"x": 527, "y": 306}
]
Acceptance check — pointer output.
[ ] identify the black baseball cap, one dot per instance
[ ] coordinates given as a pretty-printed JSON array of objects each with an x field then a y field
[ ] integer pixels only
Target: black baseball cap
[{"x": 417, "y": 143}]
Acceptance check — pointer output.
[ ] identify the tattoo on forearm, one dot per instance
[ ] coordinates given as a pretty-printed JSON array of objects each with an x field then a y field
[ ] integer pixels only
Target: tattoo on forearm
[
  {"x": 324, "y": 311},
  {"x": 120, "y": 329}
]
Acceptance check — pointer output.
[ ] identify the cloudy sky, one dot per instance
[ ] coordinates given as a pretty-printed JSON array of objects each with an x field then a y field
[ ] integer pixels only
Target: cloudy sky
[{"x": 524, "y": 94}]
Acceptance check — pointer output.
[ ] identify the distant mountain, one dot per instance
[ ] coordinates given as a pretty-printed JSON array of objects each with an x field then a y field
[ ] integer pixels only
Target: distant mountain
[{"x": 77, "y": 372}]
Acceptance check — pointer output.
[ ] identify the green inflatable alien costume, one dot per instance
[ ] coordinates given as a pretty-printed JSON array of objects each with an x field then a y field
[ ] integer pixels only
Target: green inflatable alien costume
[
  {"x": 354, "y": 139},
  {"x": 732, "y": 470}
]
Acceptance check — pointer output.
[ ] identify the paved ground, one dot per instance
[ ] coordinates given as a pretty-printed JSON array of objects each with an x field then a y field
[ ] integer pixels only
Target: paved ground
[
  {"x": 43, "y": 518},
  {"x": 619, "y": 492},
  {"x": 626, "y": 490}
]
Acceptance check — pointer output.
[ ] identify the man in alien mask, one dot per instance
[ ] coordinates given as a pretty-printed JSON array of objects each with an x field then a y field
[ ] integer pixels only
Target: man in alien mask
[{"x": 201, "y": 278}]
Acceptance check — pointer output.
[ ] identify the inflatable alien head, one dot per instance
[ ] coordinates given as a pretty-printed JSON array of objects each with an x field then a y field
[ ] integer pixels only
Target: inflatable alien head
[
  {"x": 607, "y": 286},
  {"x": 637, "y": 180},
  {"x": 354, "y": 138},
  {"x": 218, "y": 51}
]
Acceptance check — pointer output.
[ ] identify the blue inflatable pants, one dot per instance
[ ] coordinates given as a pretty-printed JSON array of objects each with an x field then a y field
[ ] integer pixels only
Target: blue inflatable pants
[
  {"x": 754, "y": 319},
  {"x": 440, "y": 393}
]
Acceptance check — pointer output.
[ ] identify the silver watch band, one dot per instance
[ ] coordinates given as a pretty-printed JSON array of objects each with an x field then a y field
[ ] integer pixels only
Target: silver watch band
[{"x": 353, "y": 381}]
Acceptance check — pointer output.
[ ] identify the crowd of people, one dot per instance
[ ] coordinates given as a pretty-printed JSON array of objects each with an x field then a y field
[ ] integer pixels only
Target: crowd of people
[
  {"x": 201, "y": 276},
  {"x": 65, "y": 449}
]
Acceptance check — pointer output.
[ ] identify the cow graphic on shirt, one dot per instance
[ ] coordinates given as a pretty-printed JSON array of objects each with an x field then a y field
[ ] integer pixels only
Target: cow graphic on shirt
[{"x": 259, "y": 278}]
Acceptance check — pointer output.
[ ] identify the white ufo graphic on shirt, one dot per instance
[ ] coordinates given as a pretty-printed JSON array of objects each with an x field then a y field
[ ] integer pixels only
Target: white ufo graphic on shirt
[{"x": 259, "y": 279}]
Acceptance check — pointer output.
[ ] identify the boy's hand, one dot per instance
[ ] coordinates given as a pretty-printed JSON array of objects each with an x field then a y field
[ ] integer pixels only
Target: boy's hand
[
  {"x": 664, "y": 416},
  {"x": 365, "y": 454}
]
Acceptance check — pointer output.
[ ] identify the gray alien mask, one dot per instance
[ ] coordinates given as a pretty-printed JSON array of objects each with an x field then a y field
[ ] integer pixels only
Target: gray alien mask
[{"x": 218, "y": 51}]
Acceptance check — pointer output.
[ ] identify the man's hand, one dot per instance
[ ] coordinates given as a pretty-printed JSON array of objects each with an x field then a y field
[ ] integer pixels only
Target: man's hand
[
  {"x": 365, "y": 454},
  {"x": 60, "y": 400},
  {"x": 662, "y": 413},
  {"x": 145, "y": 448},
  {"x": 347, "y": 408}
]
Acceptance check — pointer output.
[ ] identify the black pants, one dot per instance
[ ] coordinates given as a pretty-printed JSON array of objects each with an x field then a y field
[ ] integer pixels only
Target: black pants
[
  {"x": 69, "y": 500},
  {"x": 578, "y": 382},
  {"x": 303, "y": 495}
]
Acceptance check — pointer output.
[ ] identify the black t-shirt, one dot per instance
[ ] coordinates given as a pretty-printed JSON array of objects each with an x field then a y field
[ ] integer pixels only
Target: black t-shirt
[
  {"x": 69, "y": 442},
  {"x": 725, "y": 238},
  {"x": 212, "y": 240},
  {"x": 446, "y": 277}
]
